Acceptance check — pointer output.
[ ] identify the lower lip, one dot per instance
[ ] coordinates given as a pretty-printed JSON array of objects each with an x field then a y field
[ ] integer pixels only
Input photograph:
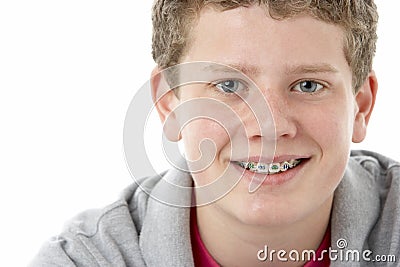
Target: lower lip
[{"x": 271, "y": 179}]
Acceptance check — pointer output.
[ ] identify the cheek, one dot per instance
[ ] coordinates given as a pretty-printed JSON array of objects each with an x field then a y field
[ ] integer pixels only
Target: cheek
[
  {"x": 206, "y": 148},
  {"x": 331, "y": 132},
  {"x": 331, "y": 127},
  {"x": 203, "y": 137}
]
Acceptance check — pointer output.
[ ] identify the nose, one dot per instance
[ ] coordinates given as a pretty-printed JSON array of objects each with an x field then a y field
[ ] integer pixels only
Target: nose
[{"x": 276, "y": 121}]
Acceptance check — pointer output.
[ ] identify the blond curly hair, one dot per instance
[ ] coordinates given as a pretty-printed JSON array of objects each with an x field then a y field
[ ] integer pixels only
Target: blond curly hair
[{"x": 173, "y": 19}]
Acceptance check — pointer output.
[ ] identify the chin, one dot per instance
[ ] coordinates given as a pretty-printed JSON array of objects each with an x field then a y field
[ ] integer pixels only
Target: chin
[{"x": 258, "y": 212}]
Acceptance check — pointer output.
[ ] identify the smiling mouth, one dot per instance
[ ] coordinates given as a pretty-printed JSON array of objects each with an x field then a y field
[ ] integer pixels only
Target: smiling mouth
[{"x": 272, "y": 168}]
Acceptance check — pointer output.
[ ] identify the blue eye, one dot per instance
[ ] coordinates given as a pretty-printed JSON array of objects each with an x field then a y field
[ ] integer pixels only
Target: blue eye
[
  {"x": 230, "y": 86},
  {"x": 308, "y": 87}
]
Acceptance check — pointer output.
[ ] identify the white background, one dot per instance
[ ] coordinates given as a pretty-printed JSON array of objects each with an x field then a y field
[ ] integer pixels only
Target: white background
[{"x": 68, "y": 70}]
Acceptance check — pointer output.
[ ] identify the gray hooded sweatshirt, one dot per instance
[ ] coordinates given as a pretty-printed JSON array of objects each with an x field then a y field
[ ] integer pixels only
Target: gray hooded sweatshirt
[{"x": 138, "y": 230}]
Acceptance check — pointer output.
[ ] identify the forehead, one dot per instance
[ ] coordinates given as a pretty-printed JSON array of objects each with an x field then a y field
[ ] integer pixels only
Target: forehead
[{"x": 250, "y": 34}]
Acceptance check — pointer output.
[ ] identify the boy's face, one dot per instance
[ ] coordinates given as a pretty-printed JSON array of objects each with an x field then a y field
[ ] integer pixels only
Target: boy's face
[{"x": 300, "y": 68}]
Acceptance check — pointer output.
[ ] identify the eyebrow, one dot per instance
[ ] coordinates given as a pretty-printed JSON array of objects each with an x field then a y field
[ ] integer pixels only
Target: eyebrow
[
  {"x": 252, "y": 71},
  {"x": 249, "y": 70},
  {"x": 311, "y": 68}
]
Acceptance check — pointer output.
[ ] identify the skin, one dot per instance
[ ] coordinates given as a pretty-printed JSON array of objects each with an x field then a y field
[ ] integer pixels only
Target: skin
[{"x": 319, "y": 126}]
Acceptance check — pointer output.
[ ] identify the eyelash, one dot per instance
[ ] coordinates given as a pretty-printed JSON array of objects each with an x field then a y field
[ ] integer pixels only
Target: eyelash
[
  {"x": 221, "y": 92},
  {"x": 318, "y": 83}
]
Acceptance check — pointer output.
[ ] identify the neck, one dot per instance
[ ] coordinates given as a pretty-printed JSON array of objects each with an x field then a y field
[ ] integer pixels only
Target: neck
[{"x": 233, "y": 243}]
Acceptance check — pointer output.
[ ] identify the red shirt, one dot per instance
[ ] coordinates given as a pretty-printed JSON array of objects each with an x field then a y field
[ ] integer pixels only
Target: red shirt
[
  {"x": 325, "y": 244},
  {"x": 200, "y": 253},
  {"x": 202, "y": 257}
]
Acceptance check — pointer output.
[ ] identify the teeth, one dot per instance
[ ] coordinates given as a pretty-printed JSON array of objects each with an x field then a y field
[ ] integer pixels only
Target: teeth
[
  {"x": 272, "y": 168},
  {"x": 285, "y": 166}
]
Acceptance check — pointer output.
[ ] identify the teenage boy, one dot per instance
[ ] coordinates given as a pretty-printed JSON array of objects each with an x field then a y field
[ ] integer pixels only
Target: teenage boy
[{"x": 312, "y": 63}]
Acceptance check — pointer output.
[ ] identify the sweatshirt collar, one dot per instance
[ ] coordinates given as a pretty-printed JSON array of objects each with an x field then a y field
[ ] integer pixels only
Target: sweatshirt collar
[{"x": 355, "y": 209}]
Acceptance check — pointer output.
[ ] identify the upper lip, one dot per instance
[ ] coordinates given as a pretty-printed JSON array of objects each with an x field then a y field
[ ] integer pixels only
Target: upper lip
[{"x": 279, "y": 158}]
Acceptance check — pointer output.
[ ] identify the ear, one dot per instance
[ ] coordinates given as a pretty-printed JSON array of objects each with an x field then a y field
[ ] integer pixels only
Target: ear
[
  {"x": 165, "y": 101},
  {"x": 365, "y": 101}
]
